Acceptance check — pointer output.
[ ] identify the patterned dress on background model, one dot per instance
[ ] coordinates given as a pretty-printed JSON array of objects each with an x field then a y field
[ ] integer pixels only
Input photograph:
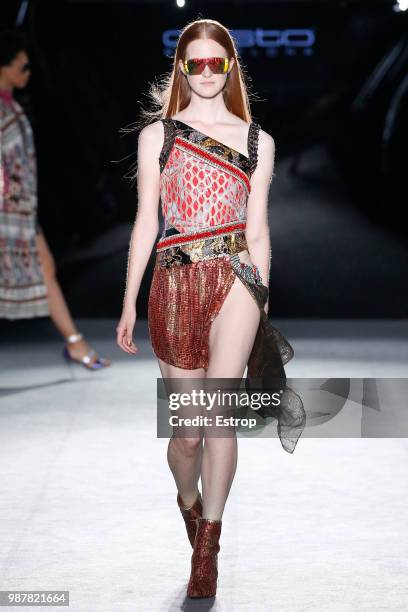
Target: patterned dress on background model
[{"x": 23, "y": 293}]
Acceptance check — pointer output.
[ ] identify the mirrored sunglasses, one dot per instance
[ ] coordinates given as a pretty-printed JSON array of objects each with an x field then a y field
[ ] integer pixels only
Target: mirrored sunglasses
[{"x": 218, "y": 65}]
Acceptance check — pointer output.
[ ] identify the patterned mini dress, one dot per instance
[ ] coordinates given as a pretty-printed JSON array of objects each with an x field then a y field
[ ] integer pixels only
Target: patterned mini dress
[{"x": 204, "y": 189}]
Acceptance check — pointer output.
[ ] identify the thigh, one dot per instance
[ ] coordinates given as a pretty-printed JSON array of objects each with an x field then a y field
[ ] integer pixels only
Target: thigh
[
  {"x": 45, "y": 255},
  {"x": 232, "y": 333},
  {"x": 177, "y": 382},
  {"x": 171, "y": 371}
]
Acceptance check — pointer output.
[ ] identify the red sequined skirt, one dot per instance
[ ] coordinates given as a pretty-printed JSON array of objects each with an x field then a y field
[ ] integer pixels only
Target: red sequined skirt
[
  {"x": 183, "y": 302},
  {"x": 192, "y": 276}
]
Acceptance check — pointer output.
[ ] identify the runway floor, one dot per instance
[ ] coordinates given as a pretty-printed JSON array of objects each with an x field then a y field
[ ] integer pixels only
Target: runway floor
[{"x": 88, "y": 503}]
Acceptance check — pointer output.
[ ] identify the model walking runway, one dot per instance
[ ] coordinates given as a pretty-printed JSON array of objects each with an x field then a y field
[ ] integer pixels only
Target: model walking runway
[{"x": 208, "y": 301}]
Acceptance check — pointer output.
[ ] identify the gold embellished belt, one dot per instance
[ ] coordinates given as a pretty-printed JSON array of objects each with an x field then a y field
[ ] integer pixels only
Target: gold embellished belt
[{"x": 229, "y": 241}]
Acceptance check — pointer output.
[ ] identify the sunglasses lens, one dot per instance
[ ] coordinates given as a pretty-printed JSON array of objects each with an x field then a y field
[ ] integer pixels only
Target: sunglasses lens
[
  {"x": 218, "y": 65},
  {"x": 221, "y": 65},
  {"x": 194, "y": 66}
]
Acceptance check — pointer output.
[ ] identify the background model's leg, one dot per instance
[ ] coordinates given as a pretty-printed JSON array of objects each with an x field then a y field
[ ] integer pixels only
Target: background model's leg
[{"x": 57, "y": 305}]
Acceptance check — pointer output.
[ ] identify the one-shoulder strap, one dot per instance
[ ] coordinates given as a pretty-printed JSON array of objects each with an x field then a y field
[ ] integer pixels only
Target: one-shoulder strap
[
  {"x": 253, "y": 137},
  {"x": 170, "y": 131}
]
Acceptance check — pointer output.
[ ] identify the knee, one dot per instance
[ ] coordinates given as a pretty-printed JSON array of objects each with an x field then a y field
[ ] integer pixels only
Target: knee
[{"x": 188, "y": 447}]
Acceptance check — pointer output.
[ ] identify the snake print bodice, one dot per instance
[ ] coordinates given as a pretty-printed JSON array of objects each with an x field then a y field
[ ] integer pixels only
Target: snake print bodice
[{"x": 203, "y": 182}]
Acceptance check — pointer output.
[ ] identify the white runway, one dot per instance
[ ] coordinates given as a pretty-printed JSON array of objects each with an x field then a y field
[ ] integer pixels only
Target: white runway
[{"x": 88, "y": 503}]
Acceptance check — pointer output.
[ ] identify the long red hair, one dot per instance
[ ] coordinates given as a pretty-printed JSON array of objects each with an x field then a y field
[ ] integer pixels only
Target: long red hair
[{"x": 173, "y": 93}]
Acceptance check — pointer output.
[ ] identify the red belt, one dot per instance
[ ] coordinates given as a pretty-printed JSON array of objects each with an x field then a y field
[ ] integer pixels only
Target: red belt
[{"x": 180, "y": 238}]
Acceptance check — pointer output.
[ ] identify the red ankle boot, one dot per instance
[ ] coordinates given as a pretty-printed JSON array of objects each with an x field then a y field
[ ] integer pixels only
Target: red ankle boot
[
  {"x": 190, "y": 515},
  {"x": 204, "y": 560}
]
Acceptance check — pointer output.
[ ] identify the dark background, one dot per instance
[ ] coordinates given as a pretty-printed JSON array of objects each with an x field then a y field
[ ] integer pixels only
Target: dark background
[{"x": 334, "y": 97}]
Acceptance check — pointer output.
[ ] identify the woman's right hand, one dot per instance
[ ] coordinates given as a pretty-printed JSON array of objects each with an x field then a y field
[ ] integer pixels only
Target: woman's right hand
[{"x": 124, "y": 330}]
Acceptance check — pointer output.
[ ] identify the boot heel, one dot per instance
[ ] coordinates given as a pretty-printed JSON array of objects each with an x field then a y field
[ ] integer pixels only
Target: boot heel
[{"x": 204, "y": 560}]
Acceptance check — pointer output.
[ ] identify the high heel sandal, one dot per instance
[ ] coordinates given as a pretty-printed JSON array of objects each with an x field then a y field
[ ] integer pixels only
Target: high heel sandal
[
  {"x": 204, "y": 560},
  {"x": 86, "y": 361},
  {"x": 190, "y": 515}
]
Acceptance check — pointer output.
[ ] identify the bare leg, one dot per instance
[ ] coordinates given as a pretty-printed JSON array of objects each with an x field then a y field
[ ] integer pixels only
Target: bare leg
[
  {"x": 216, "y": 461},
  {"x": 234, "y": 327},
  {"x": 184, "y": 455},
  {"x": 57, "y": 305}
]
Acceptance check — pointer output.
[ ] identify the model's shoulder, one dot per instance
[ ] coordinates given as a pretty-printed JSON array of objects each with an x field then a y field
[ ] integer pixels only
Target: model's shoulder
[
  {"x": 266, "y": 141},
  {"x": 151, "y": 138},
  {"x": 152, "y": 131}
]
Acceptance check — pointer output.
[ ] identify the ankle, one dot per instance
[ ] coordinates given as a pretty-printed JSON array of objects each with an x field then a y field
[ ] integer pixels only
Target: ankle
[
  {"x": 74, "y": 337},
  {"x": 187, "y": 500},
  {"x": 211, "y": 514}
]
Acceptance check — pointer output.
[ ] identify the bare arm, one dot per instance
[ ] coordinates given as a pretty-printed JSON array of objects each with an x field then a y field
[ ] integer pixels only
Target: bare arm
[
  {"x": 257, "y": 229},
  {"x": 145, "y": 228}
]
